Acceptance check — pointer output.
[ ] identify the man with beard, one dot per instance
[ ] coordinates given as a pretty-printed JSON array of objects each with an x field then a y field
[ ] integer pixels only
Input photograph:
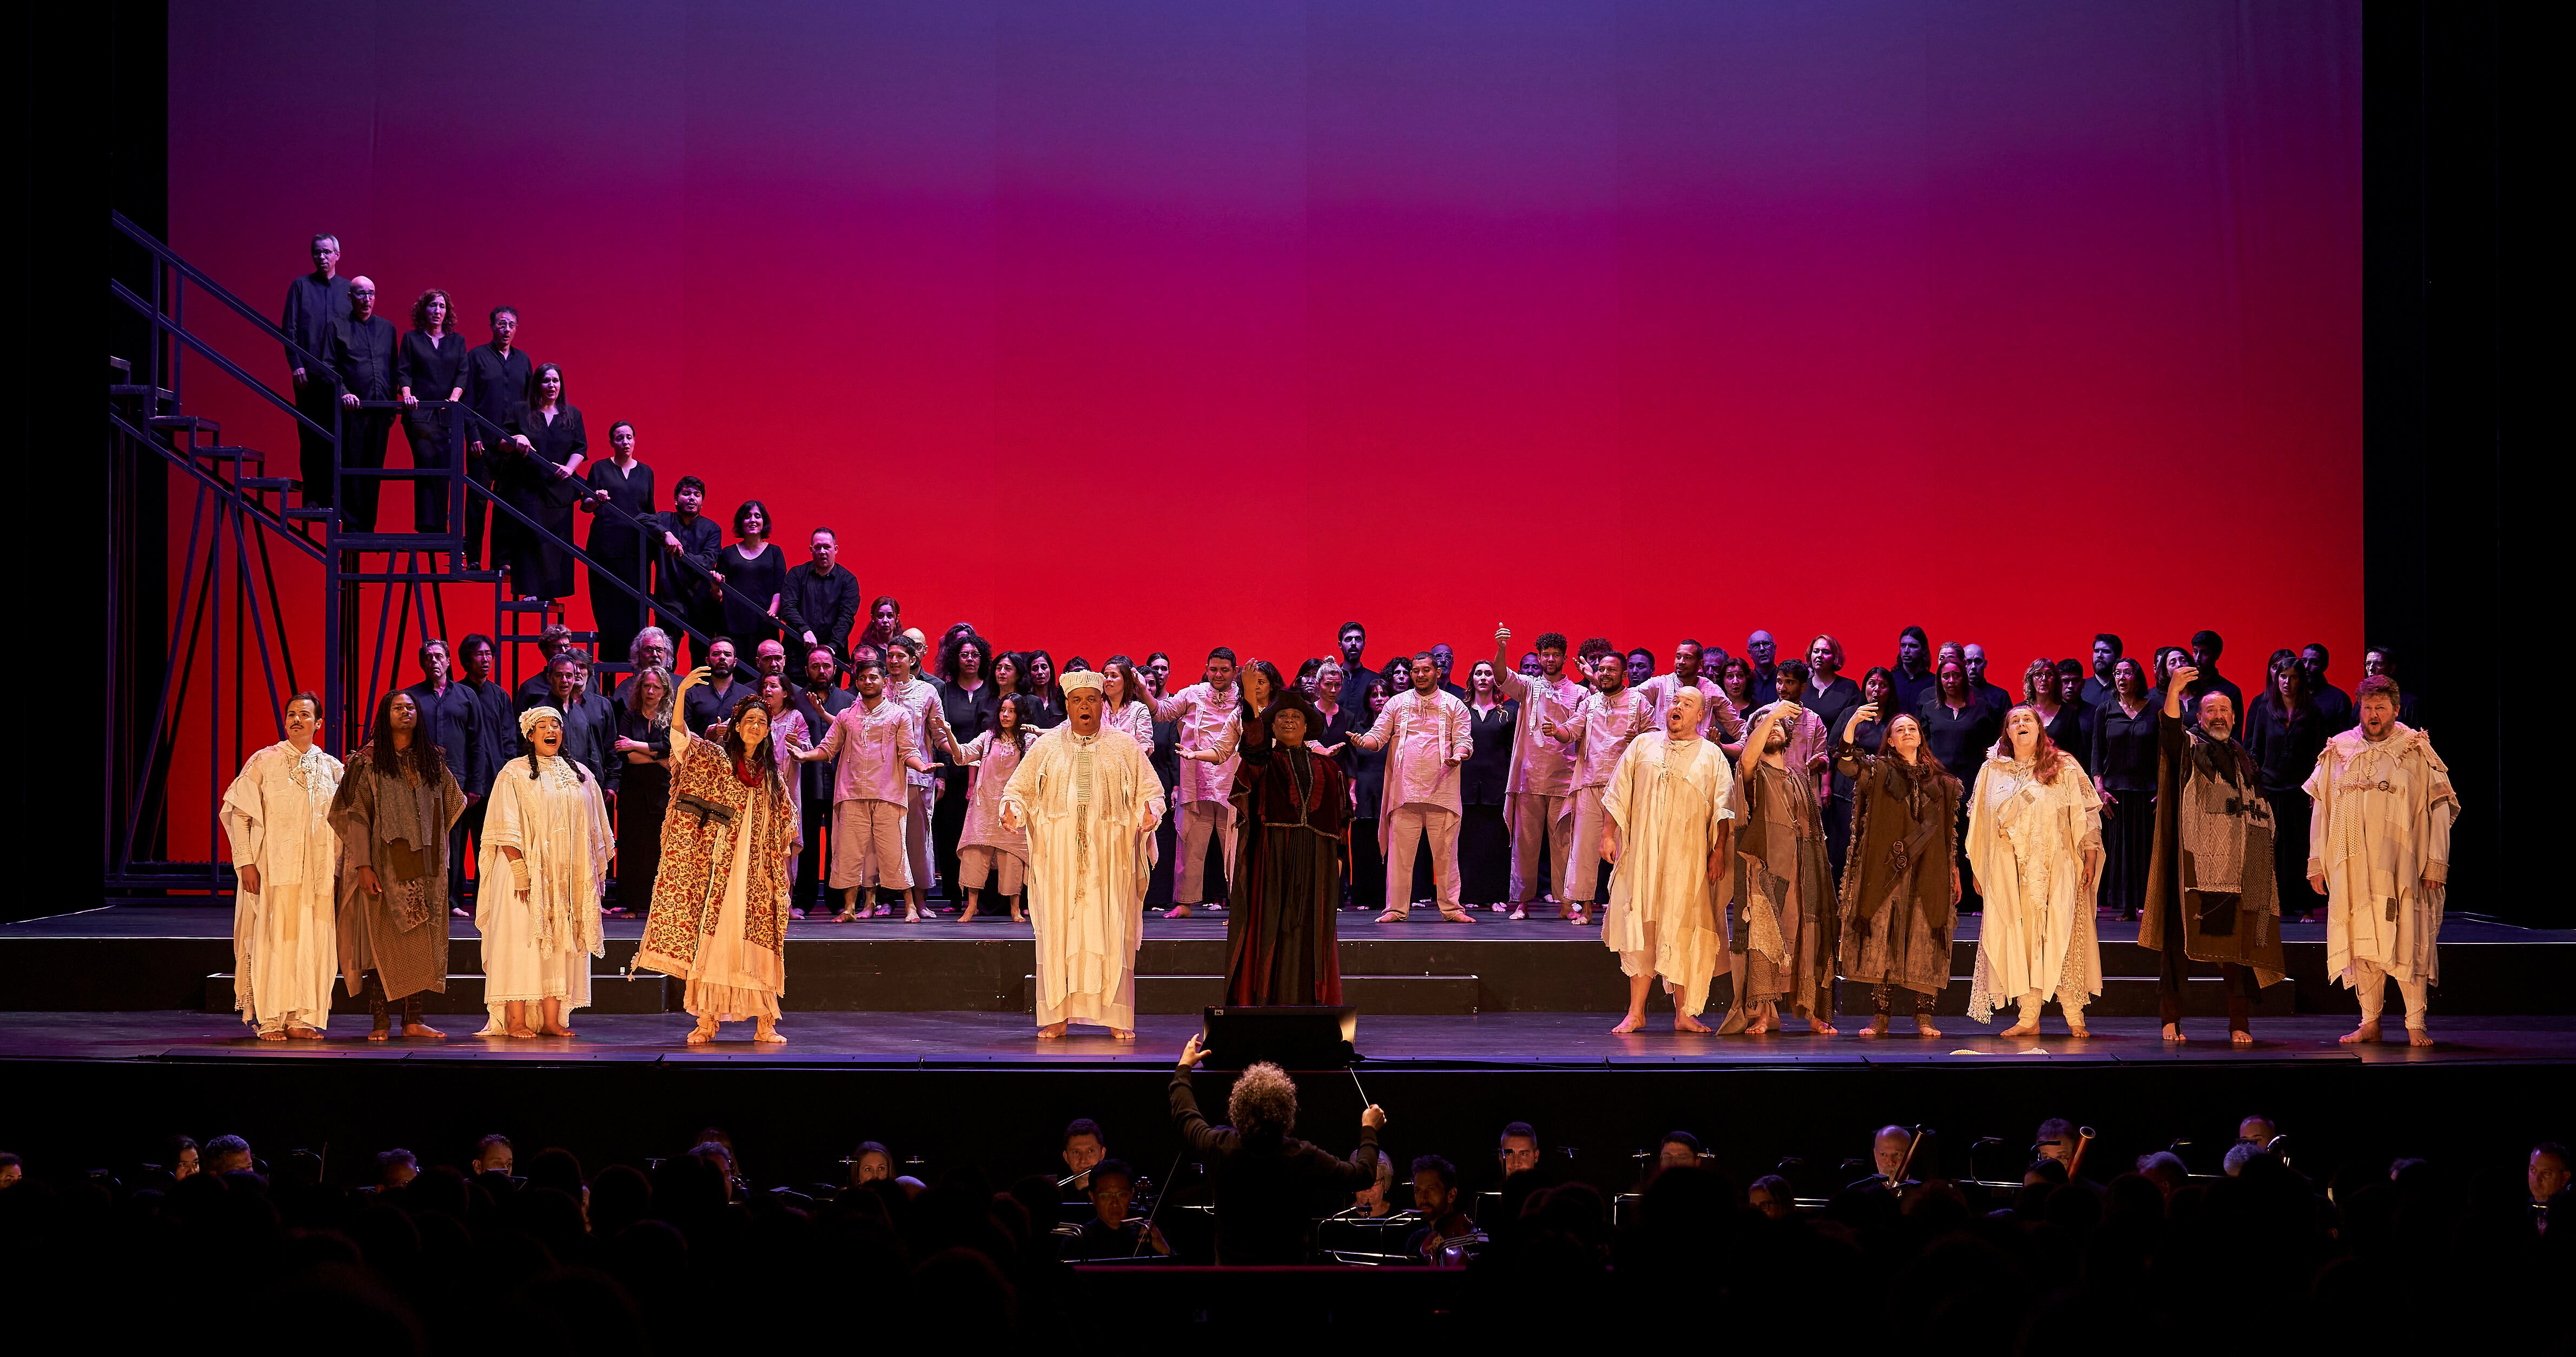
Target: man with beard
[
  {"x": 1786, "y": 918},
  {"x": 1640, "y": 665},
  {"x": 2205, "y": 648},
  {"x": 1597, "y": 733},
  {"x": 826, "y": 595},
  {"x": 814, "y": 789},
  {"x": 1537, "y": 796},
  {"x": 684, "y": 588},
  {"x": 2210, "y": 893},
  {"x": 1718, "y": 718},
  {"x": 1425, "y": 734},
  {"x": 2100, "y": 688},
  {"x": 1209, "y": 716},
  {"x": 2379, "y": 850},
  {"x": 2333, "y": 703},
  {"x": 1356, "y": 677},
  {"x": 1912, "y": 671}
]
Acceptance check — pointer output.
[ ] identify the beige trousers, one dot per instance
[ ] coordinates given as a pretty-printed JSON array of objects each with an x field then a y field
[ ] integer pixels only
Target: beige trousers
[{"x": 1403, "y": 835}]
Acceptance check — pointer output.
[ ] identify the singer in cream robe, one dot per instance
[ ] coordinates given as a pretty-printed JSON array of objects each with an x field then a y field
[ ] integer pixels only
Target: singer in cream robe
[
  {"x": 1090, "y": 802},
  {"x": 2036, "y": 847},
  {"x": 286, "y": 950},
  {"x": 539, "y": 938},
  {"x": 2379, "y": 837},
  {"x": 1667, "y": 799}
]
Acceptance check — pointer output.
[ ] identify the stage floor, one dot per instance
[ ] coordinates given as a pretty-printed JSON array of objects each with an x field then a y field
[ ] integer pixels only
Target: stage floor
[{"x": 1506, "y": 1041}]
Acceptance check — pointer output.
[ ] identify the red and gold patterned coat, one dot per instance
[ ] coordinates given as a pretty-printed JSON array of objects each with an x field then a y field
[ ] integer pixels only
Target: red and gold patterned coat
[{"x": 710, "y": 802}]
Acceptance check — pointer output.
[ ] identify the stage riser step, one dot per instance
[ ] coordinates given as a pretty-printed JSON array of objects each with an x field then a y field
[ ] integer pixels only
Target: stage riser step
[
  {"x": 1407, "y": 994},
  {"x": 2121, "y": 997},
  {"x": 646, "y": 993}
]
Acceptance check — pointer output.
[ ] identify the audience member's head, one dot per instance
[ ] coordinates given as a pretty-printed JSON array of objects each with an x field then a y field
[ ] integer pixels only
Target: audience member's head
[
  {"x": 227, "y": 1154},
  {"x": 2056, "y": 1140},
  {"x": 1113, "y": 1188},
  {"x": 396, "y": 1168},
  {"x": 181, "y": 1156},
  {"x": 2239, "y": 1155},
  {"x": 1771, "y": 1196},
  {"x": 2165, "y": 1169},
  {"x": 1519, "y": 1148},
  {"x": 1678, "y": 1149},
  {"x": 2257, "y": 1128},
  {"x": 11, "y": 1169},
  {"x": 492, "y": 1154},
  {"x": 870, "y": 1163},
  {"x": 1378, "y": 1198}
]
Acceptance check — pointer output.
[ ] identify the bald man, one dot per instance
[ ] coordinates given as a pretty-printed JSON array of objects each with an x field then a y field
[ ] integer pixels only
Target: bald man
[{"x": 363, "y": 347}]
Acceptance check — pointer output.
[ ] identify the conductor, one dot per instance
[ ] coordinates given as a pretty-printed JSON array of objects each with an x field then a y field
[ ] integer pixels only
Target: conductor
[{"x": 1268, "y": 1185}]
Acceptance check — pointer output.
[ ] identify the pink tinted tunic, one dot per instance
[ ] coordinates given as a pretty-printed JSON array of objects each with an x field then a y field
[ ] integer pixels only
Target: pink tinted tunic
[
  {"x": 1715, "y": 711},
  {"x": 1135, "y": 721},
  {"x": 1542, "y": 765},
  {"x": 1602, "y": 728},
  {"x": 994, "y": 759},
  {"x": 874, "y": 749},
  {"x": 1422, "y": 735},
  {"x": 1208, "y": 720},
  {"x": 919, "y": 698}
]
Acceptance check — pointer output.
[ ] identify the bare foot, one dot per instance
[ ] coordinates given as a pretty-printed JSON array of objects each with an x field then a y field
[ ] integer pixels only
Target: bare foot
[
  {"x": 2368, "y": 1031},
  {"x": 1390, "y": 917},
  {"x": 2019, "y": 1029},
  {"x": 847, "y": 916},
  {"x": 967, "y": 914},
  {"x": 556, "y": 1028},
  {"x": 2240, "y": 1037},
  {"x": 703, "y": 1033},
  {"x": 1122, "y": 1034},
  {"x": 1822, "y": 1028},
  {"x": 1628, "y": 1024},
  {"x": 423, "y": 1030},
  {"x": 1053, "y": 1031},
  {"x": 1877, "y": 1028},
  {"x": 1580, "y": 919},
  {"x": 1177, "y": 912},
  {"x": 764, "y": 1031},
  {"x": 299, "y": 1032},
  {"x": 2173, "y": 1032},
  {"x": 1769, "y": 1019},
  {"x": 2077, "y": 1029},
  {"x": 911, "y": 914},
  {"x": 1018, "y": 918},
  {"x": 523, "y": 1032},
  {"x": 272, "y": 1036},
  {"x": 1923, "y": 1028},
  {"x": 2417, "y": 1036},
  {"x": 380, "y": 1033},
  {"x": 1461, "y": 917},
  {"x": 1683, "y": 1022},
  {"x": 1519, "y": 912}
]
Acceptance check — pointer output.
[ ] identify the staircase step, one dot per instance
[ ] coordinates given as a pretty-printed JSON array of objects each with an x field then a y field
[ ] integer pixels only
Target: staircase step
[
  {"x": 644, "y": 992},
  {"x": 197, "y": 422},
  {"x": 119, "y": 366},
  {"x": 230, "y": 453},
  {"x": 280, "y": 484},
  {"x": 516, "y": 606},
  {"x": 310, "y": 515},
  {"x": 157, "y": 394},
  {"x": 2122, "y": 996},
  {"x": 1457, "y": 995},
  {"x": 401, "y": 541}
]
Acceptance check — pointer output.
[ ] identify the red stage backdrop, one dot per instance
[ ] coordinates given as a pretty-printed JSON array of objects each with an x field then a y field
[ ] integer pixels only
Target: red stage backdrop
[{"x": 1163, "y": 325}]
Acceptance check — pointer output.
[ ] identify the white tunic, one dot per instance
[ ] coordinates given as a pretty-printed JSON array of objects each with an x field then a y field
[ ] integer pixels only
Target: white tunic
[
  {"x": 1669, "y": 799},
  {"x": 286, "y": 949},
  {"x": 2379, "y": 827},
  {"x": 2028, "y": 840},
  {"x": 1090, "y": 806},
  {"x": 539, "y": 946}
]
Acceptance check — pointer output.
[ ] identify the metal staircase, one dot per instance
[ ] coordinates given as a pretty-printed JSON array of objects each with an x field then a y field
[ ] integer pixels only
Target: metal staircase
[{"x": 230, "y": 661}]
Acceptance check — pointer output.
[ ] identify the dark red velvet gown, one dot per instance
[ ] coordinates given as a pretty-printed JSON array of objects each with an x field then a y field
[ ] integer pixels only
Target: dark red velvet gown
[{"x": 1279, "y": 928}]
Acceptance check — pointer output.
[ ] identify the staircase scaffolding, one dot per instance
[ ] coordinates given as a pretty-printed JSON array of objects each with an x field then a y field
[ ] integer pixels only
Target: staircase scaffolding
[{"x": 247, "y": 510}]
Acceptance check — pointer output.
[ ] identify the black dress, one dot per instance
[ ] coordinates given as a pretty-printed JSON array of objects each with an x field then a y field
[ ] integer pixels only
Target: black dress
[
  {"x": 1166, "y": 758},
  {"x": 539, "y": 565},
  {"x": 1368, "y": 783},
  {"x": 617, "y": 544},
  {"x": 1866, "y": 737},
  {"x": 643, "y": 795},
  {"x": 2124, "y": 759},
  {"x": 1484, "y": 839},
  {"x": 1961, "y": 739},
  {"x": 759, "y": 578},
  {"x": 429, "y": 369},
  {"x": 2286, "y": 745},
  {"x": 968, "y": 715}
]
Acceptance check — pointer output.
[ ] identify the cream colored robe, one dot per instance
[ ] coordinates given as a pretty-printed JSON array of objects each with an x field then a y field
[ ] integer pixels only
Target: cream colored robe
[
  {"x": 286, "y": 943},
  {"x": 2380, "y": 824},
  {"x": 2019, "y": 830},
  {"x": 1090, "y": 807},
  {"x": 1668, "y": 798},
  {"x": 540, "y": 946}
]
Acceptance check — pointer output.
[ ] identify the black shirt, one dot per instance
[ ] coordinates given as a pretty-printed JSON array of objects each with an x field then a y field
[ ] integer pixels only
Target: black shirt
[
  {"x": 1912, "y": 691},
  {"x": 1961, "y": 739},
  {"x": 1356, "y": 679},
  {"x": 1268, "y": 1188},
  {"x": 2286, "y": 744},
  {"x": 1489, "y": 766},
  {"x": 2072, "y": 731},
  {"x": 313, "y": 304},
  {"x": 497, "y": 734},
  {"x": 762, "y": 577},
  {"x": 829, "y": 604},
  {"x": 684, "y": 580},
  {"x": 496, "y": 387},
  {"x": 705, "y": 706},
  {"x": 451, "y": 721},
  {"x": 2124, "y": 748},
  {"x": 1833, "y": 703},
  {"x": 362, "y": 357},
  {"x": 816, "y": 777},
  {"x": 967, "y": 713},
  {"x": 430, "y": 367},
  {"x": 612, "y": 540},
  {"x": 555, "y": 442},
  {"x": 2335, "y": 705}
]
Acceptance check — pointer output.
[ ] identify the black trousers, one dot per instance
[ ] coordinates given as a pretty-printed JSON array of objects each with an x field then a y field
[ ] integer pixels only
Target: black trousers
[
  {"x": 478, "y": 469},
  {"x": 468, "y": 826},
  {"x": 427, "y": 431},
  {"x": 1167, "y": 847},
  {"x": 947, "y": 825},
  {"x": 2173, "y": 968},
  {"x": 2290, "y": 807},
  {"x": 364, "y": 436},
  {"x": 316, "y": 401},
  {"x": 816, "y": 816},
  {"x": 1838, "y": 818},
  {"x": 1484, "y": 856},
  {"x": 617, "y": 614}
]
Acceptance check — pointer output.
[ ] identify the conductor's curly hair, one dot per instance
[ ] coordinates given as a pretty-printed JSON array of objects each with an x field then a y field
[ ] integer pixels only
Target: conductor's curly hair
[{"x": 1264, "y": 1101}]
